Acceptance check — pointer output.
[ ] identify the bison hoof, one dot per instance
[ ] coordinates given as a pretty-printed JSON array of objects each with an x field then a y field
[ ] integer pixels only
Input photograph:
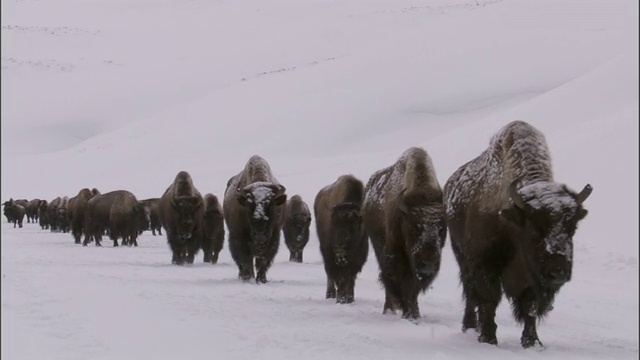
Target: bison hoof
[
  {"x": 531, "y": 342},
  {"x": 261, "y": 279},
  {"x": 488, "y": 339},
  {"x": 330, "y": 295},
  {"x": 344, "y": 300}
]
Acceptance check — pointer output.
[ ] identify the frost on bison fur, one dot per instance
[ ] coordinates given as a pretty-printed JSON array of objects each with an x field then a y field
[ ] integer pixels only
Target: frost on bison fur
[
  {"x": 212, "y": 229},
  {"x": 253, "y": 209},
  {"x": 181, "y": 211},
  {"x": 343, "y": 241},
  {"x": 296, "y": 227},
  {"x": 404, "y": 217},
  {"x": 512, "y": 228}
]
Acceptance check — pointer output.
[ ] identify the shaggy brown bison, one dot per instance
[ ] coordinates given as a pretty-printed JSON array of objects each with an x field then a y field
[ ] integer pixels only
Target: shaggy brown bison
[
  {"x": 511, "y": 228},
  {"x": 152, "y": 207},
  {"x": 101, "y": 215},
  {"x": 43, "y": 216},
  {"x": 62, "y": 215},
  {"x": 52, "y": 214},
  {"x": 404, "y": 217},
  {"x": 77, "y": 210},
  {"x": 212, "y": 229},
  {"x": 32, "y": 210},
  {"x": 254, "y": 213},
  {"x": 343, "y": 240},
  {"x": 127, "y": 217},
  {"x": 181, "y": 212},
  {"x": 296, "y": 227},
  {"x": 14, "y": 212}
]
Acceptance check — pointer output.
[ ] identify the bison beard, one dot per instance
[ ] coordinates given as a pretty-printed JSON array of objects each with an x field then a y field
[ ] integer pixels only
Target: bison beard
[
  {"x": 511, "y": 230},
  {"x": 343, "y": 241}
]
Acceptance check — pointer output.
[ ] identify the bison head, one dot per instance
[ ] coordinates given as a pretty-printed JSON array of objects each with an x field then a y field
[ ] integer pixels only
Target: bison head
[
  {"x": 543, "y": 218},
  {"x": 262, "y": 202},
  {"x": 346, "y": 220},
  {"x": 424, "y": 230},
  {"x": 188, "y": 216}
]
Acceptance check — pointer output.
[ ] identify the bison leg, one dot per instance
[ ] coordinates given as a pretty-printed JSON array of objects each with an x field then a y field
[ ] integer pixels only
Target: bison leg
[
  {"x": 410, "y": 309},
  {"x": 245, "y": 271},
  {"x": 470, "y": 319},
  {"x": 159, "y": 231},
  {"x": 489, "y": 296},
  {"x": 295, "y": 256},
  {"x": 331, "y": 288},
  {"x": 261, "y": 267},
  {"x": 214, "y": 258}
]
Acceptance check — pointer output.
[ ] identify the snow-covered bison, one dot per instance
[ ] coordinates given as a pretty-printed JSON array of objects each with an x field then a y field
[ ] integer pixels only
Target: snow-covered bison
[
  {"x": 343, "y": 240},
  {"x": 511, "y": 228},
  {"x": 253, "y": 209},
  {"x": 404, "y": 217}
]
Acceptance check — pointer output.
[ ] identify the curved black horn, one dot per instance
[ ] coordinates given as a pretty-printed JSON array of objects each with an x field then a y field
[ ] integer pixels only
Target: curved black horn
[
  {"x": 278, "y": 189},
  {"x": 513, "y": 193},
  {"x": 400, "y": 202},
  {"x": 584, "y": 194}
]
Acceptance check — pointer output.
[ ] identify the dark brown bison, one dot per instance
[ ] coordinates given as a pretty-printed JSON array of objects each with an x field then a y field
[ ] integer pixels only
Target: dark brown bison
[
  {"x": 32, "y": 210},
  {"x": 62, "y": 215},
  {"x": 212, "y": 229},
  {"x": 127, "y": 217},
  {"x": 511, "y": 228},
  {"x": 404, "y": 217},
  {"x": 52, "y": 214},
  {"x": 77, "y": 210},
  {"x": 343, "y": 240},
  {"x": 181, "y": 212},
  {"x": 296, "y": 227},
  {"x": 97, "y": 216},
  {"x": 43, "y": 216},
  {"x": 152, "y": 207},
  {"x": 254, "y": 213},
  {"x": 14, "y": 212}
]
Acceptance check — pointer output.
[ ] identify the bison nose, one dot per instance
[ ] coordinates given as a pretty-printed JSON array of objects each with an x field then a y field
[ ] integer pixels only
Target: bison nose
[
  {"x": 557, "y": 276},
  {"x": 426, "y": 268}
]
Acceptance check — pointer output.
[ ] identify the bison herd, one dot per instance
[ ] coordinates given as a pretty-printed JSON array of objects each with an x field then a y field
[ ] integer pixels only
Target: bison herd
[{"x": 510, "y": 224}]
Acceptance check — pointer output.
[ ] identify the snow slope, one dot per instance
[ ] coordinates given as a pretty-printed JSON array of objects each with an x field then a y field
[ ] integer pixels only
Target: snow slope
[{"x": 124, "y": 94}]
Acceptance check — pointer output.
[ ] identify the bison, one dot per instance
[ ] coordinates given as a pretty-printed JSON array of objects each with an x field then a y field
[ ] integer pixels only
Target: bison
[
  {"x": 77, "y": 210},
  {"x": 296, "y": 227},
  {"x": 212, "y": 229},
  {"x": 343, "y": 241},
  {"x": 181, "y": 211},
  {"x": 512, "y": 228},
  {"x": 43, "y": 216},
  {"x": 152, "y": 206},
  {"x": 62, "y": 215},
  {"x": 32, "y": 210},
  {"x": 14, "y": 212},
  {"x": 127, "y": 217},
  {"x": 404, "y": 217},
  {"x": 253, "y": 209},
  {"x": 98, "y": 216},
  {"x": 52, "y": 214}
]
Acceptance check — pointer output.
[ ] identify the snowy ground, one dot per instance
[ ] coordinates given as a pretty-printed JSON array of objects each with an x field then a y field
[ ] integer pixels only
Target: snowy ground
[{"x": 124, "y": 94}]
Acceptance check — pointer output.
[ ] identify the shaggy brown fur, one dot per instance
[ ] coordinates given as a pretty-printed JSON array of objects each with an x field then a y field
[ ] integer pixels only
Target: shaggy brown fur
[
  {"x": 254, "y": 213},
  {"x": 296, "y": 227},
  {"x": 212, "y": 228},
  {"x": 153, "y": 207},
  {"x": 343, "y": 240},
  {"x": 404, "y": 217},
  {"x": 126, "y": 219},
  {"x": 511, "y": 229},
  {"x": 77, "y": 210},
  {"x": 181, "y": 211}
]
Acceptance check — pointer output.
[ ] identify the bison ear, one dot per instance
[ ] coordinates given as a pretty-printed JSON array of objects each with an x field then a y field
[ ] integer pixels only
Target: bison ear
[
  {"x": 280, "y": 199},
  {"x": 513, "y": 215}
]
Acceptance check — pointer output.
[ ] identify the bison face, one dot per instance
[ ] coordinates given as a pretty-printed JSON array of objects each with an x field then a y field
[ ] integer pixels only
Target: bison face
[
  {"x": 543, "y": 219},
  {"x": 346, "y": 221},
  {"x": 187, "y": 211},
  {"x": 262, "y": 203}
]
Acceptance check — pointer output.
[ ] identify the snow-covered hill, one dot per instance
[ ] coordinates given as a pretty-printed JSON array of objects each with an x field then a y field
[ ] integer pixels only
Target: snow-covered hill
[{"x": 124, "y": 94}]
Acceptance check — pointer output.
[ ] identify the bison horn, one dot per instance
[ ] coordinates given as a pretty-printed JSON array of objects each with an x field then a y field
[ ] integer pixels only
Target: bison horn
[
  {"x": 277, "y": 189},
  {"x": 584, "y": 194},
  {"x": 401, "y": 203},
  {"x": 513, "y": 193}
]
